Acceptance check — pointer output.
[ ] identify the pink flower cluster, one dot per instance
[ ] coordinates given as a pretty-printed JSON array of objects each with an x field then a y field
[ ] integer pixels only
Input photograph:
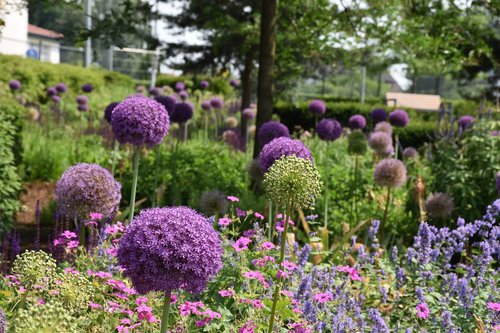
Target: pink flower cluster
[
  {"x": 241, "y": 244},
  {"x": 353, "y": 272},
  {"x": 256, "y": 275},
  {"x": 261, "y": 262},
  {"x": 67, "y": 239}
]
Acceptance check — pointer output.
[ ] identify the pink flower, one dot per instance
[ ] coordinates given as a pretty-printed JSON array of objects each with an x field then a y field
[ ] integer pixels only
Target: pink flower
[
  {"x": 71, "y": 270},
  {"x": 258, "y": 304},
  {"x": 280, "y": 225},
  {"x": 227, "y": 293},
  {"x": 493, "y": 306},
  {"x": 240, "y": 213},
  {"x": 288, "y": 265},
  {"x": 211, "y": 314},
  {"x": 190, "y": 307},
  {"x": 287, "y": 293},
  {"x": 256, "y": 275},
  {"x": 247, "y": 328},
  {"x": 68, "y": 234},
  {"x": 249, "y": 233},
  {"x": 353, "y": 272},
  {"x": 282, "y": 274},
  {"x": 72, "y": 244},
  {"x": 21, "y": 289},
  {"x": 95, "y": 216},
  {"x": 423, "y": 311},
  {"x": 267, "y": 245},
  {"x": 93, "y": 305},
  {"x": 91, "y": 224},
  {"x": 241, "y": 244},
  {"x": 323, "y": 297},
  {"x": 233, "y": 199},
  {"x": 126, "y": 321},
  {"x": 141, "y": 300},
  {"x": 261, "y": 262},
  {"x": 259, "y": 215},
  {"x": 145, "y": 312},
  {"x": 224, "y": 222},
  {"x": 40, "y": 301}
]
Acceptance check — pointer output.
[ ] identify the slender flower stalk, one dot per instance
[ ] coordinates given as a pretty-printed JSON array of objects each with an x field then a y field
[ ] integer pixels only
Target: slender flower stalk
[
  {"x": 116, "y": 148},
  {"x": 355, "y": 196},
  {"x": 136, "y": 156},
  {"x": 166, "y": 312}
]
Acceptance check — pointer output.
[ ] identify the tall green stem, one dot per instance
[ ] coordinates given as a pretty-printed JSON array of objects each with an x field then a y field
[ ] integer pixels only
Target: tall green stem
[
  {"x": 136, "y": 156},
  {"x": 355, "y": 196},
  {"x": 396, "y": 147},
  {"x": 115, "y": 152},
  {"x": 270, "y": 221},
  {"x": 282, "y": 257},
  {"x": 384, "y": 220},
  {"x": 165, "y": 312},
  {"x": 327, "y": 166}
]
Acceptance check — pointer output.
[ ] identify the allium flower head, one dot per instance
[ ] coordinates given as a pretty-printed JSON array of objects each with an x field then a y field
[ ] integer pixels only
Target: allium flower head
[
  {"x": 410, "y": 153},
  {"x": 204, "y": 84},
  {"x": 14, "y": 85},
  {"x": 61, "y": 87},
  {"x": 466, "y": 122},
  {"x": 231, "y": 122},
  {"x": 399, "y": 118},
  {"x": 293, "y": 181},
  {"x": 56, "y": 99},
  {"x": 183, "y": 95},
  {"x": 86, "y": 188},
  {"x": 317, "y": 107},
  {"x": 248, "y": 113},
  {"x": 154, "y": 91},
  {"x": 379, "y": 142},
  {"x": 439, "y": 205},
  {"x": 83, "y": 107},
  {"x": 383, "y": 126},
  {"x": 168, "y": 103},
  {"x": 51, "y": 91},
  {"x": 213, "y": 202},
  {"x": 139, "y": 120},
  {"x": 217, "y": 103},
  {"x": 109, "y": 110},
  {"x": 390, "y": 172},
  {"x": 378, "y": 115},
  {"x": 234, "y": 83},
  {"x": 329, "y": 129},
  {"x": 82, "y": 99},
  {"x": 272, "y": 130},
  {"x": 205, "y": 105},
  {"x": 356, "y": 143},
  {"x": 279, "y": 147},
  {"x": 357, "y": 122},
  {"x": 183, "y": 112},
  {"x": 166, "y": 249},
  {"x": 87, "y": 87},
  {"x": 180, "y": 86}
]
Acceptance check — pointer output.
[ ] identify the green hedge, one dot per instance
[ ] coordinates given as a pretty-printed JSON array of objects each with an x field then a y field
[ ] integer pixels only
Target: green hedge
[{"x": 10, "y": 151}]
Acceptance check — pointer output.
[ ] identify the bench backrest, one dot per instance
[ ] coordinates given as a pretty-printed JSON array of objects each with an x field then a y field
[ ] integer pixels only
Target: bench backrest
[{"x": 414, "y": 101}]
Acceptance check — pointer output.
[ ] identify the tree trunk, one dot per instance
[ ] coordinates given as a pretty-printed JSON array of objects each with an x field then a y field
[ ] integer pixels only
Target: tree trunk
[
  {"x": 246, "y": 90},
  {"x": 379, "y": 83},
  {"x": 267, "y": 55}
]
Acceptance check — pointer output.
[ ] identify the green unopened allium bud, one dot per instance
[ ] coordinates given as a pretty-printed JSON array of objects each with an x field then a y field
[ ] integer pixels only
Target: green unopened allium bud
[
  {"x": 356, "y": 143},
  {"x": 293, "y": 181},
  {"x": 33, "y": 266},
  {"x": 45, "y": 318}
]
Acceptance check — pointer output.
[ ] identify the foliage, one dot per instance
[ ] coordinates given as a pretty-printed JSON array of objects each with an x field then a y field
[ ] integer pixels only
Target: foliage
[{"x": 218, "y": 85}]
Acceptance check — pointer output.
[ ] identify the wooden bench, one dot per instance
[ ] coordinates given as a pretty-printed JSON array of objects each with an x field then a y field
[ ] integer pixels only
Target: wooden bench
[{"x": 420, "y": 102}]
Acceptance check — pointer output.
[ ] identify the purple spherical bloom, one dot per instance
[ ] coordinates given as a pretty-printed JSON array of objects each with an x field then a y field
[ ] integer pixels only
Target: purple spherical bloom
[
  {"x": 139, "y": 120},
  {"x": 380, "y": 142},
  {"x": 317, "y": 107},
  {"x": 272, "y": 130},
  {"x": 399, "y": 118},
  {"x": 378, "y": 115},
  {"x": 204, "y": 84},
  {"x": 465, "y": 122},
  {"x": 248, "y": 113},
  {"x": 51, "y": 91},
  {"x": 390, "y": 172},
  {"x": 279, "y": 147},
  {"x": 61, "y": 87},
  {"x": 357, "y": 122},
  {"x": 183, "y": 112},
  {"x": 82, "y": 100},
  {"x": 183, "y": 95},
  {"x": 410, "y": 153},
  {"x": 383, "y": 126},
  {"x": 87, "y": 188},
  {"x": 329, "y": 129},
  {"x": 234, "y": 83},
  {"x": 109, "y": 110},
  {"x": 83, "y": 107},
  {"x": 217, "y": 103},
  {"x": 167, "y": 249},
  {"x": 56, "y": 99},
  {"x": 87, "y": 87},
  {"x": 439, "y": 205},
  {"x": 14, "y": 85},
  {"x": 180, "y": 86},
  {"x": 154, "y": 91},
  {"x": 205, "y": 105},
  {"x": 168, "y": 102},
  {"x": 498, "y": 182}
]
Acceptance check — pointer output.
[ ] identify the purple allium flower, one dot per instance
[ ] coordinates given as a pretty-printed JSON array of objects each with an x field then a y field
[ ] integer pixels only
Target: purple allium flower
[
  {"x": 248, "y": 113},
  {"x": 139, "y": 120},
  {"x": 279, "y": 147},
  {"x": 399, "y": 118},
  {"x": 87, "y": 87},
  {"x": 234, "y": 83},
  {"x": 272, "y": 130},
  {"x": 183, "y": 112},
  {"x": 109, "y": 110},
  {"x": 168, "y": 102},
  {"x": 465, "y": 122},
  {"x": 357, "y": 122},
  {"x": 154, "y": 92},
  {"x": 204, "y": 84},
  {"x": 329, "y": 129},
  {"x": 217, "y": 103},
  {"x": 82, "y": 99},
  {"x": 183, "y": 95},
  {"x": 206, "y": 106},
  {"x": 378, "y": 115},
  {"x": 166, "y": 249},
  {"x": 410, "y": 153},
  {"x": 14, "y": 85},
  {"x": 61, "y": 87},
  {"x": 383, "y": 126},
  {"x": 498, "y": 182},
  {"x": 439, "y": 205},
  {"x": 180, "y": 86},
  {"x": 317, "y": 107},
  {"x": 83, "y": 107},
  {"x": 86, "y": 188},
  {"x": 232, "y": 138},
  {"x": 56, "y": 99},
  {"x": 380, "y": 142},
  {"x": 390, "y": 172},
  {"x": 51, "y": 91}
]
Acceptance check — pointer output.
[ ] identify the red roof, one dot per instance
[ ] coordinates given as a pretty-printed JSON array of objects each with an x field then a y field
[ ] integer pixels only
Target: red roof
[{"x": 34, "y": 30}]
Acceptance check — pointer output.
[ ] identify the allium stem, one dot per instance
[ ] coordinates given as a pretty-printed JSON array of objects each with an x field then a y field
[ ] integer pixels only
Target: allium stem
[
  {"x": 115, "y": 153},
  {"x": 396, "y": 146},
  {"x": 355, "y": 196},
  {"x": 384, "y": 220},
  {"x": 165, "y": 313},
  {"x": 327, "y": 166},
  {"x": 135, "y": 157},
  {"x": 280, "y": 261},
  {"x": 206, "y": 128},
  {"x": 270, "y": 219}
]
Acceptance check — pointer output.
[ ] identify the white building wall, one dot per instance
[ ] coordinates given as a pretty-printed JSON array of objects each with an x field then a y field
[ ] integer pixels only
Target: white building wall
[
  {"x": 14, "y": 34},
  {"x": 48, "y": 50}
]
